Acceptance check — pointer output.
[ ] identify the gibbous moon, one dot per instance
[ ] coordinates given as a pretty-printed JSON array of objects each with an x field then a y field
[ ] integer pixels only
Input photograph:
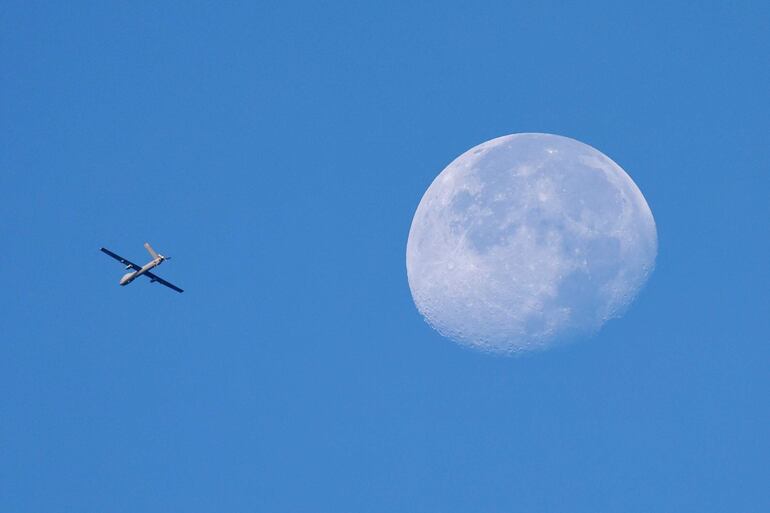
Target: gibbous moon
[{"x": 527, "y": 240}]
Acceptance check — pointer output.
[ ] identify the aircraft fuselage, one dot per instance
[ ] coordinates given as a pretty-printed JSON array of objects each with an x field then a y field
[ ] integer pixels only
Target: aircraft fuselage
[{"x": 129, "y": 277}]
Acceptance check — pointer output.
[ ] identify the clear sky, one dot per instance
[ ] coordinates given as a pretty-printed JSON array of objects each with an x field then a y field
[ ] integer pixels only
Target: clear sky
[{"x": 278, "y": 150}]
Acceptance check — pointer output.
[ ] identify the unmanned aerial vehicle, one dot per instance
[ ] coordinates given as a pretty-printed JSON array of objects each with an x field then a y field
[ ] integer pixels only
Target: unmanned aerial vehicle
[{"x": 137, "y": 271}]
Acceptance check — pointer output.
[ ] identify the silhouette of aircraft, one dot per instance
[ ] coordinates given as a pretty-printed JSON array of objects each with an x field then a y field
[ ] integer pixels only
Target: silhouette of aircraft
[{"x": 137, "y": 271}]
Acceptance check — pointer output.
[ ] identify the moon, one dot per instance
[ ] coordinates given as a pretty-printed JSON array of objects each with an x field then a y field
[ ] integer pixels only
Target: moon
[{"x": 528, "y": 240}]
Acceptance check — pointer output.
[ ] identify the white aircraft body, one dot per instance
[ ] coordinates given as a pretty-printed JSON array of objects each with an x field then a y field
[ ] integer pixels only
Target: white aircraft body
[{"x": 137, "y": 271}]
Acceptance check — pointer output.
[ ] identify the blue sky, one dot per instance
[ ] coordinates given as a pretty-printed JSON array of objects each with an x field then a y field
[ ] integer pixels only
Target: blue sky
[{"x": 278, "y": 151}]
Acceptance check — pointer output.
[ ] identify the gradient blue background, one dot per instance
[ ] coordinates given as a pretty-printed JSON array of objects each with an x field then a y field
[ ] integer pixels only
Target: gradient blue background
[{"x": 278, "y": 151}]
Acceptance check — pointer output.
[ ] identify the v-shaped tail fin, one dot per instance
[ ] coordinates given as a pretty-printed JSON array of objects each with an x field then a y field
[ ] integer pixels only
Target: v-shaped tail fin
[{"x": 151, "y": 251}]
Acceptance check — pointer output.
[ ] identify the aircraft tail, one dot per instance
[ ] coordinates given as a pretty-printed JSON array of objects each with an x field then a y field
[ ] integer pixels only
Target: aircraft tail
[{"x": 151, "y": 251}]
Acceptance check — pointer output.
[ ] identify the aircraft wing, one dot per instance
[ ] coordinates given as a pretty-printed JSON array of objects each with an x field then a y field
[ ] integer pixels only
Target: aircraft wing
[
  {"x": 121, "y": 259},
  {"x": 160, "y": 280}
]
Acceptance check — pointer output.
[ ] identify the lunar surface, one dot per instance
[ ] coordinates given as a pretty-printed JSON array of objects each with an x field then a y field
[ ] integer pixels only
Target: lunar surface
[{"x": 528, "y": 240}]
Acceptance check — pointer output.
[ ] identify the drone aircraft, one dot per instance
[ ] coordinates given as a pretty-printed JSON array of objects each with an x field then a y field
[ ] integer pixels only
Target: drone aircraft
[{"x": 136, "y": 270}]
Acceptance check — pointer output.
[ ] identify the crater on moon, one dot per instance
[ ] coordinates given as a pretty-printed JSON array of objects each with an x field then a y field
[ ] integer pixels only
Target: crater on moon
[{"x": 526, "y": 240}]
